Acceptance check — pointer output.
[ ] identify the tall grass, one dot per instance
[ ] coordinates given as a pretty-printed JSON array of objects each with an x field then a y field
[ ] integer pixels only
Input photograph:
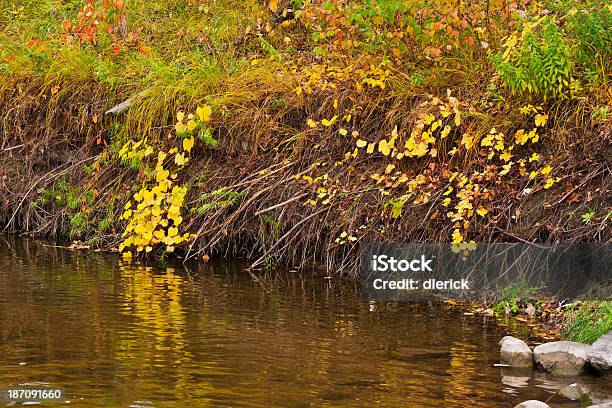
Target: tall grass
[{"x": 589, "y": 321}]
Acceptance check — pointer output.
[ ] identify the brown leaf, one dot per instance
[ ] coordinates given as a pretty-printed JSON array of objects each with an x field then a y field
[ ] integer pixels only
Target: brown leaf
[{"x": 574, "y": 197}]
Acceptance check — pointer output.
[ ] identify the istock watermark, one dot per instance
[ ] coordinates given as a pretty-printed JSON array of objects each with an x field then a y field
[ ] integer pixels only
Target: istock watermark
[
  {"x": 425, "y": 271},
  {"x": 384, "y": 263}
]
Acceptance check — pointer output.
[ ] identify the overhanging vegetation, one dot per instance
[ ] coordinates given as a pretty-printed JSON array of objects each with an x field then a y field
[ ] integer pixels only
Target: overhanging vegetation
[{"x": 331, "y": 124}]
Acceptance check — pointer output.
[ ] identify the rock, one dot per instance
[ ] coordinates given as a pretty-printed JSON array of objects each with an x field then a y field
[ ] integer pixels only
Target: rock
[
  {"x": 574, "y": 391},
  {"x": 604, "y": 405},
  {"x": 562, "y": 357},
  {"x": 515, "y": 352},
  {"x": 600, "y": 355},
  {"x": 532, "y": 404}
]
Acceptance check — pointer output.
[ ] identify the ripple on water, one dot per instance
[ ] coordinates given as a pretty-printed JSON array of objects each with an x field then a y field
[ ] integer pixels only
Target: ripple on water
[{"x": 114, "y": 335}]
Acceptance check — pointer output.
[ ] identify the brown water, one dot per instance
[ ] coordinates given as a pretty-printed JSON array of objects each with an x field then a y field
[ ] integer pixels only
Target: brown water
[{"x": 118, "y": 335}]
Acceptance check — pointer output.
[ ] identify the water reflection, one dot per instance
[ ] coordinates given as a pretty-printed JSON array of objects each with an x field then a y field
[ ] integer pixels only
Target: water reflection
[{"x": 116, "y": 334}]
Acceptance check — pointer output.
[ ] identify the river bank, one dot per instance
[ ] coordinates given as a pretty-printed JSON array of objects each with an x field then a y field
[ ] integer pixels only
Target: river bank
[{"x": 273, "y": 151}]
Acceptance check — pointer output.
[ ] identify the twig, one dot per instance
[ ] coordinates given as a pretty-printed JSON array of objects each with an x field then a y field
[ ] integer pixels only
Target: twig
[
  {"x": 25, "y": 196},
  {"x": 13, "y": 147},
  {"x": 288, "y": 233},
  {"x": 517, "y": 237},
  {"x": 586, "y": 180},
  {"x": 297, "y": 197},
  {"x": 115, "y": 110}
]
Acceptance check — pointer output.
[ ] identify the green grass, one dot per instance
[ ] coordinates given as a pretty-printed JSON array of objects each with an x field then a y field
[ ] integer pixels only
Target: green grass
[
  {"x": 514, "y": 297},
  {"x": 589, "y": 321}
]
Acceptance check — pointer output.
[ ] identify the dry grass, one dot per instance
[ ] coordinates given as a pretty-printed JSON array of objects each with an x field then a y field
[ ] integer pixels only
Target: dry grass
[{"x": 52, "y": 125}]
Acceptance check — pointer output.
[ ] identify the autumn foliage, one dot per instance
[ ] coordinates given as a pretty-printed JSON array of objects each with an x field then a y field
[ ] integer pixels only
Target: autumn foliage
[{"x": 313, "y": 127}]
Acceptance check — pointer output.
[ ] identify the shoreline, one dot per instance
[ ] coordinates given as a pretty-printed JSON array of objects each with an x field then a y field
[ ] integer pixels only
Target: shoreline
[{"x": 547, "y": 321}]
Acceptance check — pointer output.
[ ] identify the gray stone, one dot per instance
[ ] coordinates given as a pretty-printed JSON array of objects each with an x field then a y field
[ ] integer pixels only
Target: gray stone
[
  {"x": 574, "y": 391},
  {"x": 604, "y": 405},
  {"x": 532, "y": 404},
  {"x": 562, "y": 357},
  {"x": 600, "y": 355},
  {"x": 515, "y": 352}
]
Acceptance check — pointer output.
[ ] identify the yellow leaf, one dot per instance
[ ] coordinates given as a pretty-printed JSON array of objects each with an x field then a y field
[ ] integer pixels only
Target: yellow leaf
[
  {"x": 506, "y": 169},
  {"x": 188, "y": 144},
  {"x": 343, "y": 132},
  {"x": 534, "y": 157},
  {"x": 505, "y": 156},
  {"x": 273, "y": 5},
  {"x": 467, "y": 140},
  {"x": 379, "y": 178},
  {"x": 180, "y": 159},
  {"x": 540, "y": 120},
  {"x": 330, "y": 122},
  {"x": 419, "y": 150},
  {"x": 546, "y": 170},
  {"x": 191, "y": 125},
  {"x": 159, "y": 234},
  {"x": 161, "y": 174},
  {"x": 180, "y": 115},
  {"x": 457, "y": 118},
  {"x": 361, "y": 143},
  {"x": 428, "y": 119},
  {"x": 390, "y": 168},
  {"x": 482, "y": 211},
  {"x": 370, "y": 149},
  {"x": 180, "y": 127},
  {"x": 204, "y": 113},
  {"x": 457, "y": 237},
  {"x": 445, "y": 131},
  {"x": 487, "y": 141},
  {"x": 549, "y": 183},
  {"x": 311, "y": 123},
  {"x": 384, "y": 148},
  {"x": 335, "y": 104},
  {"x": 521, "y": 137}
]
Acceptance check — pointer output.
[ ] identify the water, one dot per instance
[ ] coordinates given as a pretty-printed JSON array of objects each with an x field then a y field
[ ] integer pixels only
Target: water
[{"x": 120, "y": 335}]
